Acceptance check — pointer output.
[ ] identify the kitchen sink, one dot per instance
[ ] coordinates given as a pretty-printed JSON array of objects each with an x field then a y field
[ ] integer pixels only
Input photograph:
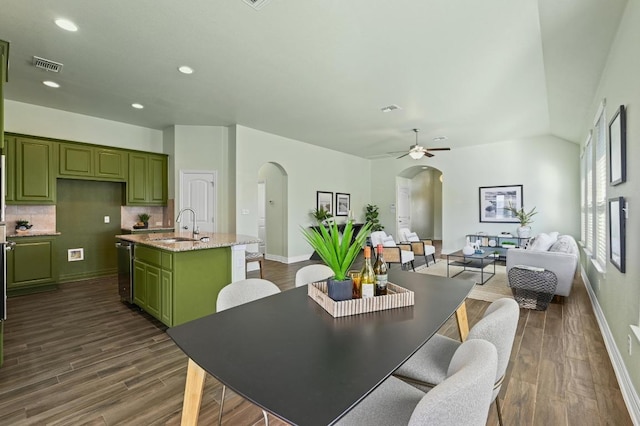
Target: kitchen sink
[{"x": 173, "y": 240}]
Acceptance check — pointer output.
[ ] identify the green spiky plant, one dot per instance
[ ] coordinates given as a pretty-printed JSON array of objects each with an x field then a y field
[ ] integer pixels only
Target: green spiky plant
[
  {"x": 336, "y": 250},
  {"x": 523, "y": 217}
]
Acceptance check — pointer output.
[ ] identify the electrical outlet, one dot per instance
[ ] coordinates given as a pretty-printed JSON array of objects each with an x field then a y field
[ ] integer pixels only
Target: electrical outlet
[
  {"x": 107, "y": 219},
  {"x": 629, "y": 343}
]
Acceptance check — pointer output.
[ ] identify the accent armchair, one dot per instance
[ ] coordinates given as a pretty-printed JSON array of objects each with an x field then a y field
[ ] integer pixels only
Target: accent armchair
[
  {"x": 393, "y": 253},
  {"x": 420, "y": 247}
]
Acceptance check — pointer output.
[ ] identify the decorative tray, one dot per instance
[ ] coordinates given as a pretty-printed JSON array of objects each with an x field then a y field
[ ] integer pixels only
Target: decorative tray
[{"x": 397, "y": 297}]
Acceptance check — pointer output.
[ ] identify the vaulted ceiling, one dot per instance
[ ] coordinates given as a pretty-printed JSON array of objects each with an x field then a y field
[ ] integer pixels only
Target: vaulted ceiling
[{"x": 320, "y": 71}]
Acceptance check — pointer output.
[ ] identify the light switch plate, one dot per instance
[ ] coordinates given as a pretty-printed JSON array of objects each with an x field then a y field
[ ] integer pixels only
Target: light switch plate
[{"x": 107, "y": 219}]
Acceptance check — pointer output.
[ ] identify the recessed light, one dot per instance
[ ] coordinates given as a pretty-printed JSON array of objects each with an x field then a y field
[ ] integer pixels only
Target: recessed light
[
  {"x": 137, "y": 106},
  {"x": 390, "y": 108},
  {"x": 184, "y": 69},
  {"x": 66, "y": 24},
  {"x": 51, "y": 84}
]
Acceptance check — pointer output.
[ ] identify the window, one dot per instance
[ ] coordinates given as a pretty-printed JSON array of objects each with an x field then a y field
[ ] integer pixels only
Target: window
[{"x": 593, "y": 181}]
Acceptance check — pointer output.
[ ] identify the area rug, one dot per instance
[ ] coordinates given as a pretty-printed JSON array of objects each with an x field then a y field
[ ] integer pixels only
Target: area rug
[{"x": 494, "y": 289}]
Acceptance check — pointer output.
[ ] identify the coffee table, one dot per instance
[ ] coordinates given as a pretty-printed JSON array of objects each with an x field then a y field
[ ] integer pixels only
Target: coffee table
[{"x": 476, "y": 262}]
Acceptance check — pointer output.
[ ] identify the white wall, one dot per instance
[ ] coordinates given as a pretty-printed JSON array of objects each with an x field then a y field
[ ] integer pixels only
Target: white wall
[
  {"x": 422, "y": 204},
  {"x": 618, "y": 293},
  {"x": 276, "y": 189},
  {"x": 203, "y": 148},
  {"x": 52, "y": 123},
  {"x": 547, "y": 167},
  {"x": 309, "y": 169}
]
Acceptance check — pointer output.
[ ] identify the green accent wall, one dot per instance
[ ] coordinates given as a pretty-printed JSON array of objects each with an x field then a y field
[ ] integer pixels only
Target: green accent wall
[{"x": 81, "y": 208}]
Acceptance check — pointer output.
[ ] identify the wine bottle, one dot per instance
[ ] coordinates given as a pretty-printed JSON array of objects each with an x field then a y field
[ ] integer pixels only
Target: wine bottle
[
  {"x": 380, "y": 269},
  {"x": 367, "y": 276}
]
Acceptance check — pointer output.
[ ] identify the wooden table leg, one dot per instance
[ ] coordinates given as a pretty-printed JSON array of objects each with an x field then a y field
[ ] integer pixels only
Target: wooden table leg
[
  {"x": 192, "y": 394},
  {"x": 463, "y": 324}
]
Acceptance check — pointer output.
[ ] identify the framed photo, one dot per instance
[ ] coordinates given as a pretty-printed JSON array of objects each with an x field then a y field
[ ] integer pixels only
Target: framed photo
[
  {"x": 324, "y": 200},
  {"x": 343, "y": 204},
  {"x": 74, "y": 255},
  {"x": 616, "y": 232},
  {"x": 618, "y": 147},
  {"x": 495, "y": 199}
]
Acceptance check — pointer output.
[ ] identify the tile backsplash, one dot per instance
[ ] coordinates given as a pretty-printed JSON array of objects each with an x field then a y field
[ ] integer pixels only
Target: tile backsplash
[
  {"x": 160, "y": 216},
  {"x": 43, "y": 218}
]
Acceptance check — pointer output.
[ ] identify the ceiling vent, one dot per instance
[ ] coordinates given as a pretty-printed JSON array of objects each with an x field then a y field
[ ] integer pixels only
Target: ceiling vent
[
  {"x": 46, "y": 64},
  {"x": 256, "y": 4}
]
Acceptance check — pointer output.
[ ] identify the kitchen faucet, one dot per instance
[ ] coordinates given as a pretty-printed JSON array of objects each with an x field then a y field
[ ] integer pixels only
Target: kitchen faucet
[{"x": 195, "y": 229}]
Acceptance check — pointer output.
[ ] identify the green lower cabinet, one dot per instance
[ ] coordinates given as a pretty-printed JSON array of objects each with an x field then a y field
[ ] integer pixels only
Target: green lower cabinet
[
  {"x": 185, "y": 284},
  {"x": 31, "y": 265}
]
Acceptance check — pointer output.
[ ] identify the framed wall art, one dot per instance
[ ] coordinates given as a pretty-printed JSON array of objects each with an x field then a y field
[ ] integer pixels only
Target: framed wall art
[
  {"x": 618, "y": 147},
  {"x": 617, "y": 232},
  {"x": 343, "y": 204},
  {"x": 495, "y": 199},
  {"x": 324, "y": 200}
]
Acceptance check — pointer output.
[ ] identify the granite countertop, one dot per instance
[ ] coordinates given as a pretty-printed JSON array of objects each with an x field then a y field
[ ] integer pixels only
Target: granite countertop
[
  {"x": 216, "y": 240},
  {"x": 31, "y": 233},
  {"x": 149, "y": 229}
]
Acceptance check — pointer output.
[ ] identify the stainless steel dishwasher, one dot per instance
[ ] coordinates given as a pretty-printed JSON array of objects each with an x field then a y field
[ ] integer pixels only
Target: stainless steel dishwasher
[{"x": 125, "y": 270}]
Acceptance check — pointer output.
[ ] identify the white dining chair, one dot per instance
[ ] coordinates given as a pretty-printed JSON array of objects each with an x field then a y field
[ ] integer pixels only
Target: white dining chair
[
  {"x": 428, "y": 366},
  {"x": 463, "y": 398},
  {"x": 312, "y": 273},
  {"x": 238, "y": 293}
]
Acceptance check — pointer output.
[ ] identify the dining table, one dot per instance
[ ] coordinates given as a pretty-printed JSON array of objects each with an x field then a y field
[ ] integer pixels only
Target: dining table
[{"x": 290, "y": 357}]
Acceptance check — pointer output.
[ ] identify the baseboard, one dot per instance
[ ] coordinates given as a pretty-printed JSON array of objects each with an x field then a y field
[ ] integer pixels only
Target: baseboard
[
  {"x": 86, "y": 275},
  {"x": 287, "y": 260},
  {"x": 629, "y": 394}
]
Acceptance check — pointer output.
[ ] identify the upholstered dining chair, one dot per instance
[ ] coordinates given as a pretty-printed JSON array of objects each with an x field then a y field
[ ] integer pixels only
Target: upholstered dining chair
[
  {"x": 462, "y": 398},
  {"x": 428, "y": 366},
  {"x": 420, "y": 247},
  {"x": 254, "y": 256},
  {"x": 393, "y": 253},
  {"x": 312, "y": 273},
  {"x": 238, "y": 293}
]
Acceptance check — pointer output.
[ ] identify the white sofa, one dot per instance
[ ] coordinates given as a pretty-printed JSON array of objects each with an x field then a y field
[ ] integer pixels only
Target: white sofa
[{"x": 559, "y": 255}]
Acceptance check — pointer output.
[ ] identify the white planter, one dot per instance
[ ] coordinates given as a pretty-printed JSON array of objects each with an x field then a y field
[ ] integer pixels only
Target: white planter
[{"x": 524, "y": 231}]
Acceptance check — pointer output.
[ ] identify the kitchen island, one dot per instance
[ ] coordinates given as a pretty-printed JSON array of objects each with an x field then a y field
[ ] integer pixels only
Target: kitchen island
[{"x": 177, "y": 276}]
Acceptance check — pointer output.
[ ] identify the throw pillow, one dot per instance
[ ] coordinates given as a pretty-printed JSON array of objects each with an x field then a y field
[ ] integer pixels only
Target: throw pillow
[
  {"x": 413, "y": 237},
  {"x": 542, "y": 242},
  {"x": 388, "y": 241},
  {"x": 565, "y": 244}
]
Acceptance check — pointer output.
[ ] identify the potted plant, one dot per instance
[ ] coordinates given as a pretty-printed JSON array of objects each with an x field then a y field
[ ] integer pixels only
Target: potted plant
[
  {"x": 22, "y": 225},
  {"x": 338, "y": 251},
  {"x": 143, "y": 220},
  {"x": 321, "y": 214},
  {"x": 525, "y": 219},
  {"x": 371, "y": 217}
]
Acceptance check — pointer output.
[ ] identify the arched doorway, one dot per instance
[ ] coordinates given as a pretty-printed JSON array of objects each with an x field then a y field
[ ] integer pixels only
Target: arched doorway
[
  {"x": 419, "y": 201},
  {"x": 272, "y": 210}
]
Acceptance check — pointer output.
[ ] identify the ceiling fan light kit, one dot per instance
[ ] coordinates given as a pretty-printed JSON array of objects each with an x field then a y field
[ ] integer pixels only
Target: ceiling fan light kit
[{"x": 417, "y": 151}]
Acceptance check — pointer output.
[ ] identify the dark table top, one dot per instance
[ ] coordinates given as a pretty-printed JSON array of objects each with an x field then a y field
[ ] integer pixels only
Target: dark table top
[{"x": 290, "y": 357}]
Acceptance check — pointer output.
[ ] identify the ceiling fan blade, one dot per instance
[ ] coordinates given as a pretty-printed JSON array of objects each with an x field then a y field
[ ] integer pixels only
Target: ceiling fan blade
[
  {"x": 428, "y": 154},
  {"x": 438, "y": 149},
  {"x": 404, "y": 155}
]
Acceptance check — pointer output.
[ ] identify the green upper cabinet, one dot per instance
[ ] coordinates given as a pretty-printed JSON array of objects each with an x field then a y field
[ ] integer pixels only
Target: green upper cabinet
[
  {"x": 75, "y": 160},
  {"x": 4, "y": 68},
  {"x": 9, "y": 150},
  {"x": 35, "y": 181},
  {"x": 90, "y": 162},
  {"x": 110, "y": 164},
  {"x": 147, "y": 182}
]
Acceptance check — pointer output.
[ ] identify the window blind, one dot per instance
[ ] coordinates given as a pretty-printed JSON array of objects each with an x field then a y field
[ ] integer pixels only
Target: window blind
[
  {"x": 589, "y": 194},
  {"x": 601, "y": 193},
  {"x": 583, "y": 198}
]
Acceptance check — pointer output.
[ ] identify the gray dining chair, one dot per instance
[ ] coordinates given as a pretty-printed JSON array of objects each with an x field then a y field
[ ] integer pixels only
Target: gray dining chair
[
  {"x": 238, "y": 293},
  {"x": 463, "y": 398},
  {"x": 312, "y": 273},
  {"x": 428, "y": 366}
]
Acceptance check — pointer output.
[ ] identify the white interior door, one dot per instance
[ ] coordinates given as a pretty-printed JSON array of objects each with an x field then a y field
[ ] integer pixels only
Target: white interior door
[
  {"x": 262, "y": 216},
  {"x": 403, "y": 212},
  {"x": 197, "y": 191}
]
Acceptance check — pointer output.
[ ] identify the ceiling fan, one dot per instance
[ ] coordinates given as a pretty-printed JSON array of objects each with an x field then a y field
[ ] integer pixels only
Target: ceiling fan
[{"x": 417, "y": 151}]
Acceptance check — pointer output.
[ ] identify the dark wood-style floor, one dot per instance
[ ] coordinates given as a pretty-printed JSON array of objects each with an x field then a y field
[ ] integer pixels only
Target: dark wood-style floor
[{"x": 80, "y": 356}]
